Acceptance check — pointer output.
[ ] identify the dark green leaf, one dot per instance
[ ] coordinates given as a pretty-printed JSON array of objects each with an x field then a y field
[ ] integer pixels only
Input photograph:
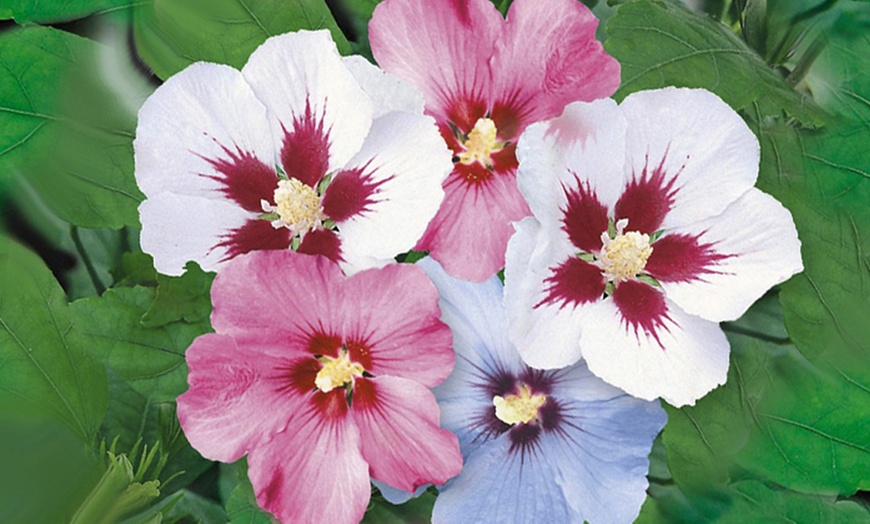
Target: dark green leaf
[
  {"x": 415, "y": 511},
  {"x": 757, "y": 502},
  {"x": 242, "y": 505},
  {"x": 43, "y": 366},
  {"x": 30, "y": 12},
  {"x": 185, "y": 298},
  {"x": 662, "y": 43},
  {"x": 64, "y": 130},
  {"x": 170, "y": 35}
]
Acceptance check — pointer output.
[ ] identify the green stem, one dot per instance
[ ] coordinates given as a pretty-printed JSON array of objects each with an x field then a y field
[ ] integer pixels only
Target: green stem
[{"x": 92, "y": 272}]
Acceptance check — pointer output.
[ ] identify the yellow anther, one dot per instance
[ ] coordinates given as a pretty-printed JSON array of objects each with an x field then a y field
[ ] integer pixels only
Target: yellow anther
[
  {"x": 337, "y": 372},
  {"x": 624, "y": 256},
  {"x": 481, "y": 143},
  {"x": 297, "y": 205},
  {"x": 520, "y": 408}
]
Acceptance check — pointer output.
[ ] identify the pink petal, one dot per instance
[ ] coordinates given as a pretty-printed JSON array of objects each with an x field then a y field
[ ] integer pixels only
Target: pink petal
[
  {"x": 663, "y": 352},
  {"x": 682, "y": 258},
  {"x": 548, "y": 57},
  {"x": 469, "y": 235},
  {"x": 393, "y": 315},
  {"x": 305, "y": 150},
  {"x": 313, "y": 102},
  {"x": 401, "y": 440},
  {"x": 236, "y": 399},
  {"x": 314, "y": 471},
  {"x": 442, "y": 47}
]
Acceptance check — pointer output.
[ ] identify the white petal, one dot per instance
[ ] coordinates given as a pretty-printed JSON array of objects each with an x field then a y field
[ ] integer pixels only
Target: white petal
[
  {"x": 196, "y": 116},
  {"x": 294, "y": 69},
  {"x": 406, "y": 153},
  {"x": 703, "y": 144},
  {"x": 387, "y": 92},
  {"x": 180, "y": 228},
  {"x": 760, "y": 235},
  {"x": 586, "y": 144},
  {"x": 691, "y": 360},
  {"x": 546, "y": 336}
]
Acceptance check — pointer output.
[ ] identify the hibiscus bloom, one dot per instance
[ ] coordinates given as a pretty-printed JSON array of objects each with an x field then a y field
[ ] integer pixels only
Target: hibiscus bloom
[
  {"x": 300, "y": 149},
  {"x": 323, "y": 381},
  {"x": 539, "y": 446},
  {"x": 485, "y": 79},
  {"x": 647, "y": 232}
]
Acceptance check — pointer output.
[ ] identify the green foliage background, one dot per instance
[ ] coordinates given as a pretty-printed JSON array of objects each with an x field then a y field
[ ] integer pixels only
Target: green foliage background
[{"x": 92, "y": 339}]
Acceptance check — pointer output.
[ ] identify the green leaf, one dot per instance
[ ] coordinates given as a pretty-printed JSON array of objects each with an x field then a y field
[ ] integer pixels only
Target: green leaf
[
  {"x": 30, "y": 12},
  {"x": 415, "y": 511},
  {"x": 185, "y": 298},
  {"x": 242, "y": 505},
  {"x": 757, "y": 502},
  {"x": 170, "y": 35},
  {"x": 662, "y": 43},
  {"x": 64, "y": 130},
  {"x": 150, "y": 359},
  {"x": 44, "y": 369}
]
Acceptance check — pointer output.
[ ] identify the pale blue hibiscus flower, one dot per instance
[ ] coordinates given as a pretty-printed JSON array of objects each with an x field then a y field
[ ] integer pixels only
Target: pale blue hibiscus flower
[{"x": 538, "y": 445}]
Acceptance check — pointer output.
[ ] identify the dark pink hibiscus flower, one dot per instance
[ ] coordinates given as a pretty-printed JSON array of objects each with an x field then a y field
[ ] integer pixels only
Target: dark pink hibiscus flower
[
  {"x": 486, "y": 78},
  {"x": 301, "y": 150},
  {"x": 647, "y": 232},
  {"x": 323, "y": 381}
]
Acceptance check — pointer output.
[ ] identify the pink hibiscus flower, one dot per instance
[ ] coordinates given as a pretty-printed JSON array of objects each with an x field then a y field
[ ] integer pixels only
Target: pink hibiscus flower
[
  {"x": 359, "y": 168},
  {"x": 323, "y": 381},
  {"x": 485, "y": 79},
  {"x": 647, "y": 232}
]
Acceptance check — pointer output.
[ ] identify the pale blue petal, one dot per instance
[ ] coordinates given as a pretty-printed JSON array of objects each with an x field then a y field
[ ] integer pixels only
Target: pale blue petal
[
  {"x": 495, "y": 486},
  {"x": 396, "y": 495}
]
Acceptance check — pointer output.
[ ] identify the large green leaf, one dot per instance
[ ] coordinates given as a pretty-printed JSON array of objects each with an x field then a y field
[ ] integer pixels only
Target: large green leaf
[
  {"x": 150, "y": 359},
  {"x": 757, "y": 502},
  {"x": 172, "y": 34},
  {"x": 30, "y": 12},
  {"x": 661, "y": 43},
  {"x": 64, "y": 130},
  {"x": 44, "y": 369}
]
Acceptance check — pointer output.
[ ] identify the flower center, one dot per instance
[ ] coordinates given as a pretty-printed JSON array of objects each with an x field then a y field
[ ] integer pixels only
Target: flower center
[
  {"x": 624, "y": 256},
  {"x": 337, "y": 372},
  {"x": 481, "y": 143},
  {"x": 519, "y": 408},
  {"x": 297, "y": 205}
]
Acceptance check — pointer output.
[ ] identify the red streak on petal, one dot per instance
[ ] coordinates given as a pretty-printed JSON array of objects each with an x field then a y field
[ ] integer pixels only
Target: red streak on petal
[
  {"x": 465, "y": 111},
  {"x": 305, "y": 153},
  {"x": 245, "y": 178},
  {"x": 573, "y": 282},
  {"x": 298, "y": 377},
  {"x": 332, "y": 405},
  {"x": 350, "y": 193},
  {"x": 584, "y": 217},
  {"x": 642, "y": 307},
  {"x": 509, "y": 116},
  {"x": 322, "y": 242},
  {"x": 365, "y": 395},
  {"x": 505, "y": 160},
  {"x": 647, "y": 199},
  {"x": 320, "y": 343},
  {"x": 359, "y": 351},
  {"x": 255, "y": 234},
  {"x": 450, "y": 138},
  {"x": 682, "y": 258},
  {"x": 472, "y": 175}
]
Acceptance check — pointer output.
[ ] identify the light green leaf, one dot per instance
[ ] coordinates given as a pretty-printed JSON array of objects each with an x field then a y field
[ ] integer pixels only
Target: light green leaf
[
  {"x": 172, "y": 34},
  {"x": 30, "y": 12},
  {"x": 150, "y": 359},
  {"x": 757, "y": 502},
  {"x": 44, "y": 369},
  {"x": 662, "y": 43},
  {"x": 64, "y": 130}
]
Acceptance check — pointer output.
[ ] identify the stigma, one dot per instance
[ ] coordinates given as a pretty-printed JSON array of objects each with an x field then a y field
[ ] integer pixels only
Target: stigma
[
  {"x": 519, "y": 408},
  {"x": 625, "y": 255},
  {"x": 481, "y": 143},
  {"x": 337, "y": 372}
]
